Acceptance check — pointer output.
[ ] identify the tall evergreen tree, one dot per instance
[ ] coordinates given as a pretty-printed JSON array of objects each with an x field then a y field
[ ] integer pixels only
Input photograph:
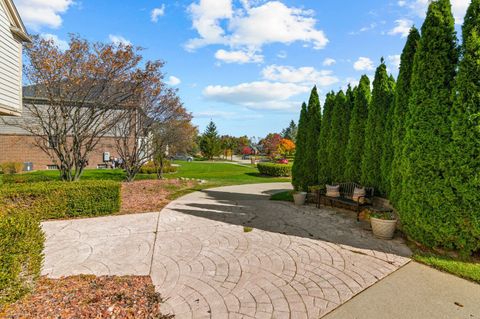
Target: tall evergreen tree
[
  {"x": 387, "y": 147},
  {"x": 210, "y": 144},
  {"x": 426, "y": 199},
  {"x": 298, "y": 169},
  {"x": 324, "y": 174},
  {"x": 314, "y": 118},
  {"x": 464, "y": 172},
  {"x": 337, "y": 142},
  {"x": 374, "y": 129},
  {"x": 402, "y": 95},
  {"x": 356, "y": 140}
]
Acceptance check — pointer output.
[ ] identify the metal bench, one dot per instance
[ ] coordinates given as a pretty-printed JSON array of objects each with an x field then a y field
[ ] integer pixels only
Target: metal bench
[{"x": 345, "y": 199}]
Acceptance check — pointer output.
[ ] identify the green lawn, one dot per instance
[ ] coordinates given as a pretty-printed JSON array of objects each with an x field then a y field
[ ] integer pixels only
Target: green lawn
[
  {"x": 220, "y": 174},
  {"x": 216, "y": 174},
  {"x": 465, "y": 269},
  {"x": 286, "y": 196}
]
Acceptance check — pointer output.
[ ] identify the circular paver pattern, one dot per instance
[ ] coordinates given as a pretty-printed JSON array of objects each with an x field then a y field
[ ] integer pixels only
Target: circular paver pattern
[{"x": 231, "y": 253}]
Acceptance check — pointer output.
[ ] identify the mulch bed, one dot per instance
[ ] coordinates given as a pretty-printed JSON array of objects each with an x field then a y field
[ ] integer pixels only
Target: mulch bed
[
  {"x": 150, "y": 195},
  {"x": 89, "y": 297}
]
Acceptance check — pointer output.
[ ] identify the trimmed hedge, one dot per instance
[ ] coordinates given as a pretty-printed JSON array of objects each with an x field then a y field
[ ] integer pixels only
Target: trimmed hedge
[
  {"x": 26, "y": 178},
  {"x": 50, "y": 200},
  {"x": 21, "y": 242},
  {"x": 276, "y": 170},
  {"x": 22, "y": 206}
]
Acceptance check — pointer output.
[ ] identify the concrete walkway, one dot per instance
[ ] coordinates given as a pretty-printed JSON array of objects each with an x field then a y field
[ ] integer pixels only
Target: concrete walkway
[{"x": 294, "y": 263}]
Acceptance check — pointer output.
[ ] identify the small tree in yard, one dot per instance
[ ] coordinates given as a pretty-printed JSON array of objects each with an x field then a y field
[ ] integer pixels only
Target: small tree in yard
[
  {"x": 210, "y": 142},
  {"x": 174, "y": 136},
  {"x": 271, "y": 144},
  {"x": 286, "y": 147},
  {"x": 79, "y": 95},
  {"x": 154, "y": 104}
]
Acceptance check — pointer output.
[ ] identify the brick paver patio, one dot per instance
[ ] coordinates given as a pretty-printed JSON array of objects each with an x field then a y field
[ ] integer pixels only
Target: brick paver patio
[{"x": 295, "y": 263}]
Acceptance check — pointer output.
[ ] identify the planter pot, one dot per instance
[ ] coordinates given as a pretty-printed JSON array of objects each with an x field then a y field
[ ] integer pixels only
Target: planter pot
[
  {"x": 299, "y": 198},
  {"x": 384, "y": 229}
]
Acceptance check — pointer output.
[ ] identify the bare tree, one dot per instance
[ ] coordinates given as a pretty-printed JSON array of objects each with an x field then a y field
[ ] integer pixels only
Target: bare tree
[
  {"x": 79, "y": 95},
  {"x": 174, "y": 136},
  {"x": 155, "y": 104}
]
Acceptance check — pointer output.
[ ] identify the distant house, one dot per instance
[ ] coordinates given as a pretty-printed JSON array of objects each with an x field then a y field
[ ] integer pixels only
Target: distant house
[{"x": 12, "y": 35}]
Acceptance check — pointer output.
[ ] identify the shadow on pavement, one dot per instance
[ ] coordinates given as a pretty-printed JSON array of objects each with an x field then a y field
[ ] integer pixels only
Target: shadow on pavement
[{"x": 258, "y": 211}]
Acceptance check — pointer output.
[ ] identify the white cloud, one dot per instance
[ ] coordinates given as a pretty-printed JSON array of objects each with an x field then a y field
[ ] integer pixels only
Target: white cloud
[
  {"x": 61, "y": 44},
  {"x": 304, "y": 75},
  {"x": 363, "y": 64},
  {"x": 173, "y": 80},
  {"x": 40, "y": 13},
  {"x": 225, "y": 115},
  {"x": 402, "y": 27},
  {"x": 240, "y": 57},
  {"x": 118, "y": 40},
  {"x": 394, "y": 60},
  {"x": 352, "y": 81},
  {"x": 419, "y": 7},
  {"x": 329, "y": 62},
  {"x": 157, "y": 12},
  {"x": 257, "y": 95},
  {"x": 282, "y": 54},
  {"x": 249, "y": 28}
]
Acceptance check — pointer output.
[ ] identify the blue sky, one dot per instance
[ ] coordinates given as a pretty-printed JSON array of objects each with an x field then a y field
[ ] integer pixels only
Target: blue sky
[{"x": 245, "y": 64}]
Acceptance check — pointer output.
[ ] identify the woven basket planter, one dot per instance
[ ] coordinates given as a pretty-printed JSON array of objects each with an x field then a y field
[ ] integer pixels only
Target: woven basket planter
[{"x": 382, "y": 228}]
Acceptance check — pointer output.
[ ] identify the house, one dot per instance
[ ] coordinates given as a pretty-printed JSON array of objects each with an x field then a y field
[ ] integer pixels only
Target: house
[
  {"x": 21, "y": 146},
  {"x": 12, "y": 35}
]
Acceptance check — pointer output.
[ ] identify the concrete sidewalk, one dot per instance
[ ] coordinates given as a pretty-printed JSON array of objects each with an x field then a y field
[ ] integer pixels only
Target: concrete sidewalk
[{"x": 414, "y": 291}]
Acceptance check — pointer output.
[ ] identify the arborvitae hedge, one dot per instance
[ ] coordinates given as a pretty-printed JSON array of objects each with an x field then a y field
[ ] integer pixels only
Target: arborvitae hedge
[
  {"x": 464, "y": 172},
  {"x": 337, "y": 142},
  {"x": 374, "y": 129},
  {"x": 402, "y": 95},
  {"x": 356, "y": 141},
  {"x": 387, "y": 147},
  {"x": 324, "y": 174},
  {"x": 298, "y": 169},
  {"x": 314, "y": 118},
  {"x": 427, "y": 204}
]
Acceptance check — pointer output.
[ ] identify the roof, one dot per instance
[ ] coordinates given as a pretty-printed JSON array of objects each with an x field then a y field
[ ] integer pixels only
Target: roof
[{"x": 16, "y": 24}]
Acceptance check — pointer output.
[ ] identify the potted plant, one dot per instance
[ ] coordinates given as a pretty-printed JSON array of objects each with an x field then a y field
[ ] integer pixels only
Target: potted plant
[
  {"x": 299, "y": 197},
  {"x": 383, "y": 224}
]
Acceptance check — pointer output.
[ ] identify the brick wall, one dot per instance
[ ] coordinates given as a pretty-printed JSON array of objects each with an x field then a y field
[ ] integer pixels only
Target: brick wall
[{"x": 21, "y": 148}]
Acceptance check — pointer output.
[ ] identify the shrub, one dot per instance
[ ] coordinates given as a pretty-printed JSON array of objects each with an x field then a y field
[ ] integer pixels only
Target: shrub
[
  {"x": 50, "y": 200},
  {"x": 273, "y": 169},
  {"x": 149, "y": 168},
  {"x": 21, "y": 242},
  {"x": 11, "y": 167},
  {"x": 27, "y": 178}
]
